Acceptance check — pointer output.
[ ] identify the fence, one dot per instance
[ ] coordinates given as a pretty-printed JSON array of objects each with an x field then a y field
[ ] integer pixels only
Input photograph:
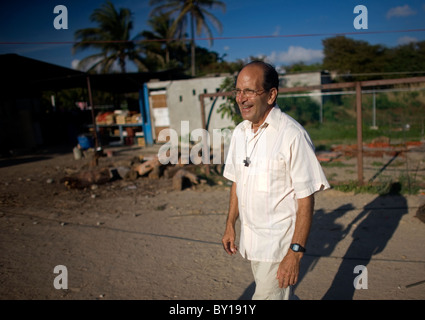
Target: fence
[{"x": 358, "y": 86}]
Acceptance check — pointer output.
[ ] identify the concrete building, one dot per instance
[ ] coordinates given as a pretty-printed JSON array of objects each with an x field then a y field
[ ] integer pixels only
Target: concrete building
[
  {"x": 177, "y": 101},
  {"x": 307, "y": 79}
]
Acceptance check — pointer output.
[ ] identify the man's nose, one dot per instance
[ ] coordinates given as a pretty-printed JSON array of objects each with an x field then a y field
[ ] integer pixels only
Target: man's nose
[{"x": 241, "y": 98}]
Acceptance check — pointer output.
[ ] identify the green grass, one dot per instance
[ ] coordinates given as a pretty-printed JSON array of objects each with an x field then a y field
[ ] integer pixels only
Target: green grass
[
  {"x": 326, "y": 134},
  {"x": 336, "y": 164},
  {"x": 406, "y": 184}
]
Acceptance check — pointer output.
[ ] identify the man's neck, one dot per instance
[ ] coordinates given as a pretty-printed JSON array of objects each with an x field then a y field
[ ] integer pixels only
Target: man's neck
[{"x": 256, "y": 126}]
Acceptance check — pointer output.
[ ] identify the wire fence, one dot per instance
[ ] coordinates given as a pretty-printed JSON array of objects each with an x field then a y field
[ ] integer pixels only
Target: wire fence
[
  {"x": 386, "y": 112},
  {"x": 397, "y": 113}
]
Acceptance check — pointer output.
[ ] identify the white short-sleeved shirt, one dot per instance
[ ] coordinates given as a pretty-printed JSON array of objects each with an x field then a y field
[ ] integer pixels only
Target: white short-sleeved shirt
[{"x": 283, "y": 168}]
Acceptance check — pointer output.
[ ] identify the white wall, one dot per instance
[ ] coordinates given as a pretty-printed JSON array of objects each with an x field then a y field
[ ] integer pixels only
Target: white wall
[{"x": 184, "y": 104}]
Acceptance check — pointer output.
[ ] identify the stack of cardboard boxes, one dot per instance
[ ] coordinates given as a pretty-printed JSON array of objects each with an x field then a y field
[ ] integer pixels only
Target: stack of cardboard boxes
[{"x": 121, "y": 117}]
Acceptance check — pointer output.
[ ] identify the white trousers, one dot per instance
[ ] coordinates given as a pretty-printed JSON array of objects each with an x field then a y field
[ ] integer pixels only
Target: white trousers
[{"x": 266, "y": 283}]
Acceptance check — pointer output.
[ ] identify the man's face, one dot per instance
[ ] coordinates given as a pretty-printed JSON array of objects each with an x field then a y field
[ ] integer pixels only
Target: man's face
[{"x": 255, "y": 108}]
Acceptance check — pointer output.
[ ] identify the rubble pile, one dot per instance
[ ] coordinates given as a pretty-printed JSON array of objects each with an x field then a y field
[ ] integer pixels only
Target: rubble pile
[{"x": 97, "y": 172}]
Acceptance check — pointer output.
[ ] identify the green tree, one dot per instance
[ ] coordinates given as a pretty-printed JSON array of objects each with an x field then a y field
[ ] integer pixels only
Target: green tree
[
  {"x": 302, "y": 67},
  {"x": 304, "y": 109},
  {"x": 407, "y": 58},
  {"x": 111, "y": 37},
  {"x": 193, "y": 12},
  {"x": 229, "y": 108},
  {"x": 350, "y": 56},
  {"x": 159, "y": 44}
]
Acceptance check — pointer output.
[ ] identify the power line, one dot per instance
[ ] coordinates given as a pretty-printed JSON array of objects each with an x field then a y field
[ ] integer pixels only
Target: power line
[
  {"x": 216, "y": 38},
  {"x": 376, "y": 73},
  {"x": 336, "y": 93}
]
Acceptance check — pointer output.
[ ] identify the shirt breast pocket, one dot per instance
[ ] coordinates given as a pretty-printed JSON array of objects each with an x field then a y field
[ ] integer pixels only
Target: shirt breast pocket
[{"x": 271, "y": 177}]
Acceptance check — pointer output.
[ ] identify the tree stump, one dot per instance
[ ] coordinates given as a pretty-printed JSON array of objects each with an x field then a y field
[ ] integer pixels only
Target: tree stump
[{"x": 183, "y": 178}]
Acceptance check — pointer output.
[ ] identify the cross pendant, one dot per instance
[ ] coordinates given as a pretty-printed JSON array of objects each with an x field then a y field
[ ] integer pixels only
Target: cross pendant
[{"x": 247, "y": 162}]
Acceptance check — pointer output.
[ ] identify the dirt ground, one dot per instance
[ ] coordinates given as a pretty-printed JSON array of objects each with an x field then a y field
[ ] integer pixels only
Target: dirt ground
[{"x": 141, "y": 239}]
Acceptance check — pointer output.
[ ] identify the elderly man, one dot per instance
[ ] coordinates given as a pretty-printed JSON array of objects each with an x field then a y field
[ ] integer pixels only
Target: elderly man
[{"x": 275, "y": 174}]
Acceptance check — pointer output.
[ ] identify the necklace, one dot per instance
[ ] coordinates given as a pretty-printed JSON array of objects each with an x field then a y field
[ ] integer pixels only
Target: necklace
[{"x": 247, "y": 160}]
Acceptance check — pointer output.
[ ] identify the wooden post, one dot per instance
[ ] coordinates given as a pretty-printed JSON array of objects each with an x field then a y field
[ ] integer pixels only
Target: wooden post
[
  {"x": 359, "y": 133},
  {"x": 96, "y": 140},
  {"x": 204, "y": 126}
]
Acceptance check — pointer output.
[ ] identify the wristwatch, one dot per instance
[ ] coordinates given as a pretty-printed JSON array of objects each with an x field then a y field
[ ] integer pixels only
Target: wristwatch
[{"x": 297, "y": 247}]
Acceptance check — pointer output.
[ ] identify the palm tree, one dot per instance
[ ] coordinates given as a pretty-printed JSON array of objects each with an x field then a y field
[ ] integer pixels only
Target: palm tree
[
  {"x": 154, "y": 45},
  {"x": 112, "y": 37},
  {"x": 195, "y": 12}
]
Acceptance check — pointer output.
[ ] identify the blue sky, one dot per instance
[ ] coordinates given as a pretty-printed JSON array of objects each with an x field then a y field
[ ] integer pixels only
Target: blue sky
[{"x": 293, "y": 30}]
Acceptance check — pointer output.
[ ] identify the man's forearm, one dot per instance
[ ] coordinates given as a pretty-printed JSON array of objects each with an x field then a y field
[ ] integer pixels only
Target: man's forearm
[
  {"x": 289, "y": 268},
  {"x": 303, "y": 220},
  {"x": 229, "y": 237},
  {"x": 233, "y": 207}
]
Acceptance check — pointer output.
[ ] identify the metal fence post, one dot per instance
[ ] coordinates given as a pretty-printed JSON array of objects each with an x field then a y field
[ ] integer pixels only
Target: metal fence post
[{"x": 359, "y": 132}]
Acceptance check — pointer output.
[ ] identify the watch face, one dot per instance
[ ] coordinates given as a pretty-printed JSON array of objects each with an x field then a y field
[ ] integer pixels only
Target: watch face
[{"x": 297, "y": 247}]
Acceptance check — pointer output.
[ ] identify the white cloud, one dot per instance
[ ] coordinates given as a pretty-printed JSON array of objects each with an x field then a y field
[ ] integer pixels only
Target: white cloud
[
  {"x": 294, "y": 55},
  {"x": 401, "y": 11},
  {"x": 74, "y": 64},
  {"x": 406, "y": 40}
]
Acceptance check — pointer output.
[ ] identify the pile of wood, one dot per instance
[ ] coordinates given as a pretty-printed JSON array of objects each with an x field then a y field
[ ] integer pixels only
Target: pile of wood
[
  {"x": 182, "y": 175},
  {"x": 154, "y": 170},
  {"x": 87, "y": 178}
]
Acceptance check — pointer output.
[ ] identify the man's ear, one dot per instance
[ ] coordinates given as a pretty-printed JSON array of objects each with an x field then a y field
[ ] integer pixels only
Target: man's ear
[{"x": 272, "y": 96}]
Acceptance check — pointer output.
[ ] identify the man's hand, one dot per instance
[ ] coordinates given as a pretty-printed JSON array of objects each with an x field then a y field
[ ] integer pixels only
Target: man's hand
[
  {"x": 228, "y": 240},
  {"x": 229, "y": 237},
  {"x": 289, "y": 269}
]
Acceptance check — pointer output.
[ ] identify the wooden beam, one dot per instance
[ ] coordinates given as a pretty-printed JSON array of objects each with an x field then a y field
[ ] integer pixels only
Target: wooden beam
[{"x": 359, "y": 133}]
